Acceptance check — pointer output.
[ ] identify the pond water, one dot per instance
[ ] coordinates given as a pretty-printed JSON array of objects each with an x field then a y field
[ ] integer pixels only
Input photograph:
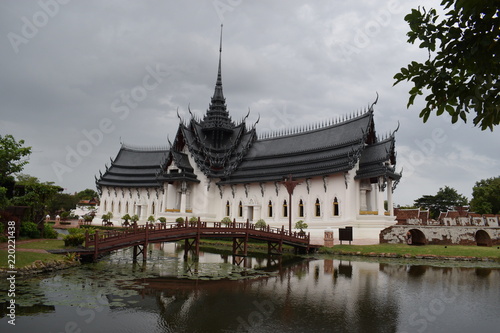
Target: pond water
[{"x": 259, "y": 294}]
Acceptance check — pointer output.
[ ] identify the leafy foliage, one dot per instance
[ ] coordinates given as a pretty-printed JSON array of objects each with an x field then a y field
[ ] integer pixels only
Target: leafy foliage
[
  {"x": 260, "y": 224},
  {"x": 445, "y": 199},
  {"x": 74, "y": 239},
  {"x": 162, "y": 219},
  {"x": 36, "y": 195},
  {"x": 12, "y": 156},
  {"x": 4, "y": 200},
  {"x": 87, "y": 194},
  {"x": 462, "y": 71},
  {"x": 29, "y": 229},
  {"x": 49, "y": 232},
  {"x": 486, "y": 196},
  {"x": 301, "y": 225},
  {"x": 226, "y": 220}
]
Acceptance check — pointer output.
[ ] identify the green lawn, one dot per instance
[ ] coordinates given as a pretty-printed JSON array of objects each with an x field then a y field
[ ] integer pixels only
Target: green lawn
[
  {"x": 43, "y": 244},
  {"x": 402, "y": 249},
  {"x": 26, "y": 258}
]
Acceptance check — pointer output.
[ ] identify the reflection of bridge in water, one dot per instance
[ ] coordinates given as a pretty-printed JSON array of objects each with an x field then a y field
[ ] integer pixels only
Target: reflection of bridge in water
[{"x": 139, "y": 237}]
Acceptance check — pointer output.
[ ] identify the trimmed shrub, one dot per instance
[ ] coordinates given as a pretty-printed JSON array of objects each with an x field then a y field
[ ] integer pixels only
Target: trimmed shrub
[
  {"x": 29, "y": 229},
  {"x": 74, "y": 239},
  {"x": 162, "y": 219},
  {"x": 179, "y": 220},
  {"x": 226, "y": 220},
  {"x": 260, "y": 224},
  {"x": 49, "y": 232}
]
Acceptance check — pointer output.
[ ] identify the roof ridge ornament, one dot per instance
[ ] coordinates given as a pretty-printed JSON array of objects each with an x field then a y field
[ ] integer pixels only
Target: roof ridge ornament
[{"x": 376, "y": 100}]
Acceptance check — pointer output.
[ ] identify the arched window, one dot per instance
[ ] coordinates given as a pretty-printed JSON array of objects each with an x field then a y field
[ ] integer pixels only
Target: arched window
[
  {"x": 335, "y": 207},
  {"x": 126, "y": 208},
  {"x": 270, "y": 209},
  {"x": 153, "y": 208},
  {"x": 119, "y": 207},
  {"x": 105, "y": 206},
  {"x": 112, "y": 206},
  {"x": 317, "y": 208},
  {"x": 240, "y": 209},
  {"x": 301, "y": 208},
  {"x": 228, "y": 208},
  {"x": 285, "y": 209}
]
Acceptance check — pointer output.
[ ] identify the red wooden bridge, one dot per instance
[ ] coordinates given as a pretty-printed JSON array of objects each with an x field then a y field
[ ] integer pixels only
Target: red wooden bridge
[{"x": 191, "y": 232}]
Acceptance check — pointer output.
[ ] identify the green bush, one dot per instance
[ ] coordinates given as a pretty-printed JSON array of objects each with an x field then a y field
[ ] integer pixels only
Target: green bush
[
  {"x": 3, "y": 239},
  {"x": 49, "y": 232},
  {"x": 29, "y": 229},
  {"x": 179, "y": 220},
  {"x": 300, "y": 224},
  {"x": 74, "y": 239},
  {"x": 226, "y": 220},
  {"x": 162, "y": 219},
  {"x": 260, "y": 224}
]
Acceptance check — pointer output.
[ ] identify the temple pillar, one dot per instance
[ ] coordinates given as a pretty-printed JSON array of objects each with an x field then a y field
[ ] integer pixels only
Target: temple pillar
[
  {"x": 380, "y": 202},
  {"x": 362, "y": 199},
  {"x": 165, "y": 193},
  {"x": 182, "y": 206},
  {"x": 171, "y": 197},
  {"x": 390, "y": 204}
]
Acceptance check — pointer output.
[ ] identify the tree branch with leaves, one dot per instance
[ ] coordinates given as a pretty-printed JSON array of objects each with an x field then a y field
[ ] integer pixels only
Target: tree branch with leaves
[{"x": 461, "y": 74}]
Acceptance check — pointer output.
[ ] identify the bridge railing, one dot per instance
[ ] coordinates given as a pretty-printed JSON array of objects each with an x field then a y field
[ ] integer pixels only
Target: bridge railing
[{"x": 198, "y": 226}]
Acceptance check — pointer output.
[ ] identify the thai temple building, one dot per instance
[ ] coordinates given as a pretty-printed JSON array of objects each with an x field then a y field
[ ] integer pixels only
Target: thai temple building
[{"x": 216, "y": 167}]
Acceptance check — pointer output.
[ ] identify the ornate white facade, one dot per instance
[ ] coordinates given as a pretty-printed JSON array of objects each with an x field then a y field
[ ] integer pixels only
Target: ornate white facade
[{"x": 216, "y": 168}]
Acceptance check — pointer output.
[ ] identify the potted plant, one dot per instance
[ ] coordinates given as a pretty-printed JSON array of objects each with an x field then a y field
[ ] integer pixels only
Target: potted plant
[
  {"x": 192, "y": 221},
  {"x": 226, "y": 221},
  {"x": 180, "y": 221},
  {"x": 151, "y": 219},
  {"x": 134, "y": 219},
  {"x": 162, "y": 219},
  {"x": 300, "y": 224},
  {"x": 261, "y": 224},
  {"x": 125, "y": 219}
]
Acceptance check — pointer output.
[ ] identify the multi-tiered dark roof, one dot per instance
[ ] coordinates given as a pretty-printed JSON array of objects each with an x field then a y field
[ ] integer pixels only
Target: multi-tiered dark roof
[{"x": 230, "y": 153}]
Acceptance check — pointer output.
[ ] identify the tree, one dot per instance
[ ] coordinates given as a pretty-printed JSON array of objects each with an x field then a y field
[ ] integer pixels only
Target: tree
[
  {"x": 87, "y": 194},
  {"x": 486, "y": 196},
  {"x": 446, "y": 198},
  {"x": 30, "y": 192},
  {"x": 461, "y": 74},
  {"x": 12, "y": 157},
  {"x": 62, "y": 202}
]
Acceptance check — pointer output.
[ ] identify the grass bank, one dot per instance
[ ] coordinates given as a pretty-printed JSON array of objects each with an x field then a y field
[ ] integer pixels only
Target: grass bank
[
  {"x": 24, "y": 258},
  {"x": 415, "y": 251}
]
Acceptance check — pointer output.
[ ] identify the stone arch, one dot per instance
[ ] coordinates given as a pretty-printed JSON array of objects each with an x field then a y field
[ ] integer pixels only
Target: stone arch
[
  {"x": 417, "y": 237},
  {"x": 482, "y": 238}
]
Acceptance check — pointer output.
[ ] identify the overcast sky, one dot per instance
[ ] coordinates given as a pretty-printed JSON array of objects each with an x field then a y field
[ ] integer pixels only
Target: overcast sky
[{"x": 79, "y": 77}]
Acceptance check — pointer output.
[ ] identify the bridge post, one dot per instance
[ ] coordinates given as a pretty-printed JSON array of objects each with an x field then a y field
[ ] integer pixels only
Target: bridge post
[
  {"x": 145, "y": 246},
  {"x": 96, "y": 249}
]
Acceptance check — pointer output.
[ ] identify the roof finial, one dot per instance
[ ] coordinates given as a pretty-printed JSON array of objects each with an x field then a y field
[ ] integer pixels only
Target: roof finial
[{"x": 220, "y": 48}]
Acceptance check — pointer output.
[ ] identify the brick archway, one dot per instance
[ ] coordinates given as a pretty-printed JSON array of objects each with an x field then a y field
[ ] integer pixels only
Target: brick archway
[
  {"x": 483, "y": 238},
  {"x": 417, "y": 237}
]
